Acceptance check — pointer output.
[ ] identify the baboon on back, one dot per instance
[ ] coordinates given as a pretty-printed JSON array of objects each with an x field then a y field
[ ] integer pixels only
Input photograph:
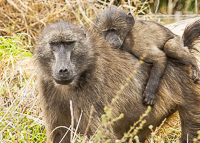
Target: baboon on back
[
  {"x": 147, "y": 40},
  {"x": 89, "y": 72}
]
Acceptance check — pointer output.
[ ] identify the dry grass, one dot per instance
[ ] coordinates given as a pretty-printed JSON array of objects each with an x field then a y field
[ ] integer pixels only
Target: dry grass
[
  {"x": 19, "y": 86},
  {"x": 29, "y": 16},
  {"x": 20, "y": 112}
]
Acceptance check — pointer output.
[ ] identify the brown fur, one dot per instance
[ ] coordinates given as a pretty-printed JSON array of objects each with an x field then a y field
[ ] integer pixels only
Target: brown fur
[
  {"x": 98, "y": 75},
  {"x": 149, "y": 41}
]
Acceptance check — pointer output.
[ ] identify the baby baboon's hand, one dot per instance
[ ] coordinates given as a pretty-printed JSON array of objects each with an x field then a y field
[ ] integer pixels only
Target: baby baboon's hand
[
  {"x": 196, "y": 75},
  {"x": 148, "y": 98}
]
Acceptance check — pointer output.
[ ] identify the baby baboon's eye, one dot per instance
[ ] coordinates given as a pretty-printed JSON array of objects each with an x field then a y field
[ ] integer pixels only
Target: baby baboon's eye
[
  {"x": 111, "y": 30},
  {"x": 54, "y": 43},
  {"x": 104, "y": 30}
]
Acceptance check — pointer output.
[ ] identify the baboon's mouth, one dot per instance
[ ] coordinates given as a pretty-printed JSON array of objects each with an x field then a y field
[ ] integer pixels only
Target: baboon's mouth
[{"x": 64, "y": 81}]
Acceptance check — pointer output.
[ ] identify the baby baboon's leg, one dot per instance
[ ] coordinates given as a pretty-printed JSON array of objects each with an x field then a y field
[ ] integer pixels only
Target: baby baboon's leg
[
  {"x": 159, "y": 60},
  {"x": 174, "y": 48}
]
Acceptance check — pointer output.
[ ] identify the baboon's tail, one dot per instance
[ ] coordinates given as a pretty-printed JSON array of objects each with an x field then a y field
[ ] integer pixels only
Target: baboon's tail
[{"x": 191, "y": 33}]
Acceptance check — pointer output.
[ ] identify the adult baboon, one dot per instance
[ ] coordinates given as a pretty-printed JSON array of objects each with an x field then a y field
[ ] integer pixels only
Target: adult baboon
[
  {"x": 147, "y": 40},
  {"x": 89, "y": 72}
]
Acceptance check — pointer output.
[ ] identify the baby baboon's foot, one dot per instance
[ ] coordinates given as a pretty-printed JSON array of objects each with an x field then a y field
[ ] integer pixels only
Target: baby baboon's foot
[{"x": 148, "y": 98}]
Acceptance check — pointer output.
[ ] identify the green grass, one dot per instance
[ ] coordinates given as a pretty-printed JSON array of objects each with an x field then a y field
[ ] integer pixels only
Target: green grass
[
  {"x": 17, "y": 127},
  {"x": 14, "y": 46}
]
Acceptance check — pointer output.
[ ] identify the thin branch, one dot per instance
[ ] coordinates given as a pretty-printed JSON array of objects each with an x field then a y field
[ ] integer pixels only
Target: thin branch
[
  {"x": 72, "y": 120},
  {"x": 90, "y": 118},
  {"x": 77, "y": 127}
]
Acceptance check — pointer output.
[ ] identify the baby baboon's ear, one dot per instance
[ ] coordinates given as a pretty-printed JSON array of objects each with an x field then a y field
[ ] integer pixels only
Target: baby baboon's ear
[
  {"x": 83, "y": 30},
  {"x": 97, "y": 20},
  {"x": 130, "y": 18},
  {"x": 129, "y": 15},
  {"x": 85, "y": 34}
]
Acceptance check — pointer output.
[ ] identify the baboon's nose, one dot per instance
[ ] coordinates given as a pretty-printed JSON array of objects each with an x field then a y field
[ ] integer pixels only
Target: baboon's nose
[{"x": 63, "y": 71}]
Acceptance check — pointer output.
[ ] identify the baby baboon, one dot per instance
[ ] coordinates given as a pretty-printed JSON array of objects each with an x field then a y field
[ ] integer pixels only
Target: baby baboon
[
  {"x": 149, "y": 41},
  {"x": 89, "y": 72}
]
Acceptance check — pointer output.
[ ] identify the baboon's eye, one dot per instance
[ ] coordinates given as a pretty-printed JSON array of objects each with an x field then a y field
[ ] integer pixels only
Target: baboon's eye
[{"x": 68, "y": 42}]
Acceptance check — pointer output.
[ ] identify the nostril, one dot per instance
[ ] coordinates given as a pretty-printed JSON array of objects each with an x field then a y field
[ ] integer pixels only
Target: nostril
[{"x": 63, "y": 71}]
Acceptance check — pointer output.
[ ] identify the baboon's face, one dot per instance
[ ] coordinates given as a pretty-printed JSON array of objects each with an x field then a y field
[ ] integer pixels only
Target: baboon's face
[
  {"x": 112, "y": 36},
  {"x": 65, "y": 52},
  {"x": 114, "y": 25},
  {"x": 63, "y": 67}
]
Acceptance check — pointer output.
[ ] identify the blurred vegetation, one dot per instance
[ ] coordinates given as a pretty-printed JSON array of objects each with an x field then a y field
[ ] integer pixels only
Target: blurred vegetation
[
  {"x": 27, "y": 16},
  {"x": 185, "y": 6}
]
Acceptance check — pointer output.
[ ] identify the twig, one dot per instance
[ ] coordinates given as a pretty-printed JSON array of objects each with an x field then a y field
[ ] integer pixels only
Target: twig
[
  {"x": 35, "y": 119},
  {"x": 102, "y": 2},
  {"x": 25, "y": 6},
  {"x": 129, "y": 3},
  {"x": 157, "y": 6},
  {"x": 196, "y": 9},
  {"x": 72, "y": 120},
  {"x": 64, "y": 136},
  {"x": 156, "y": 130},
  {"x": 10, "y": 19},
  {"x": 111, "y": 3},
  {"x": 68, "y": 129},
  {"x": 90, "y": 118},
  {"x": 77, "y": 127},
  {"x": 12, "y": 3},
  {"x": 83, "y": 13},
  {"x": 31, "y": 25}
]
